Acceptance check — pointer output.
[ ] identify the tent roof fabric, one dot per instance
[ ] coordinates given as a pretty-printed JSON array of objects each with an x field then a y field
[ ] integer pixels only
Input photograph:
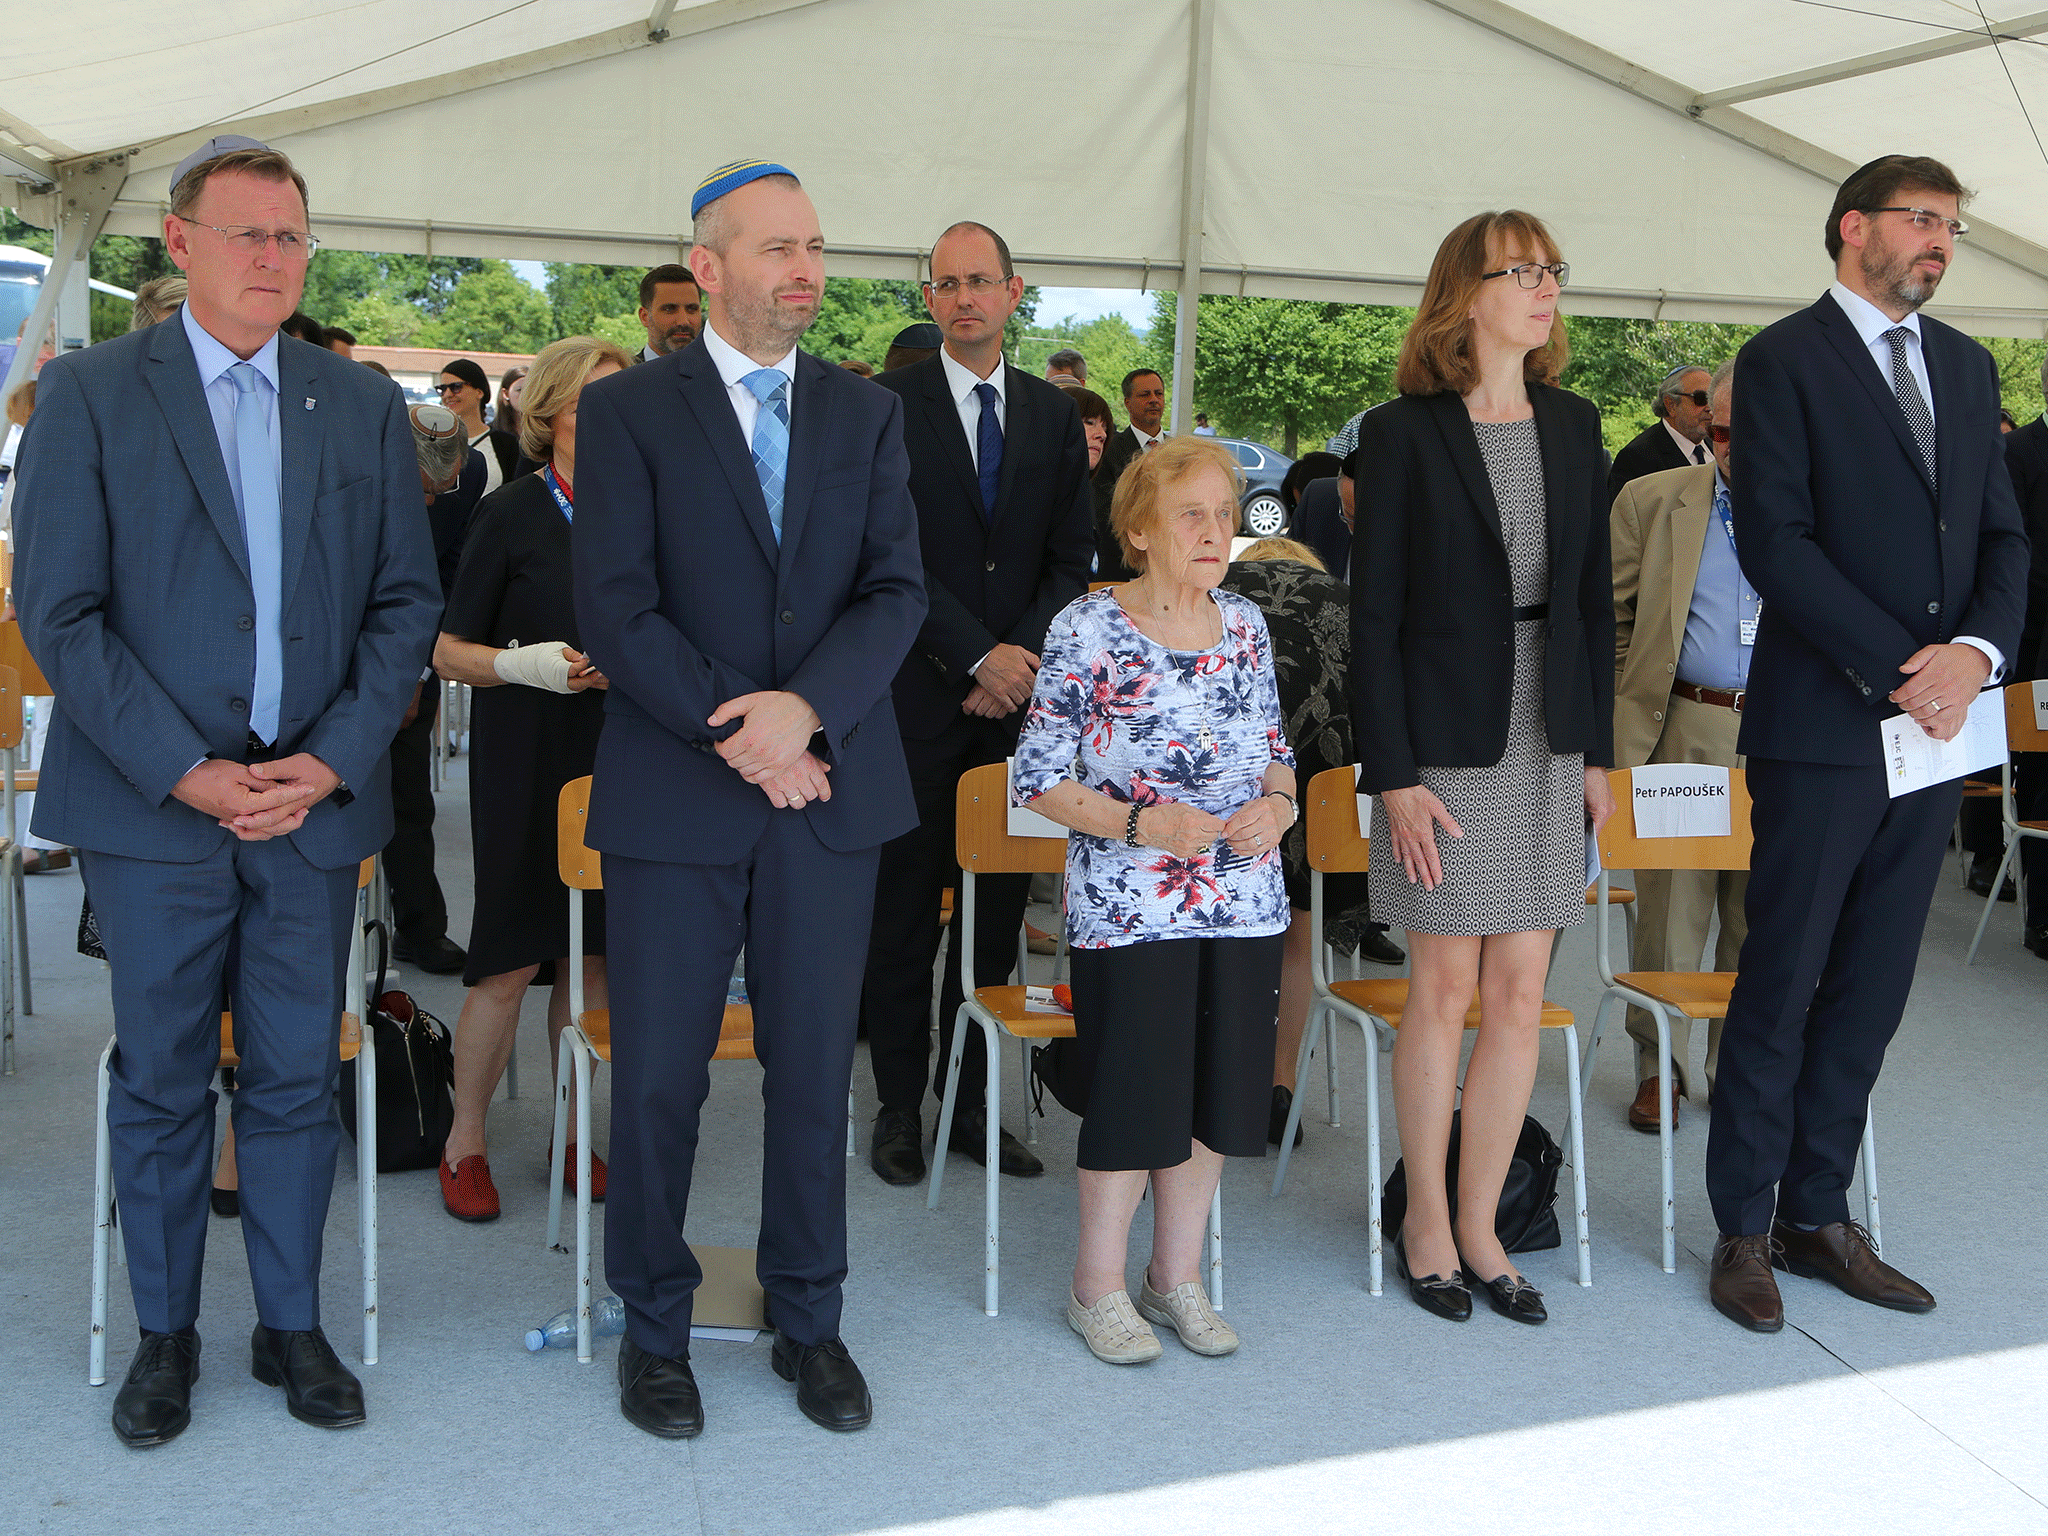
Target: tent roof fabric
[{"x": 1686, "y": 170}]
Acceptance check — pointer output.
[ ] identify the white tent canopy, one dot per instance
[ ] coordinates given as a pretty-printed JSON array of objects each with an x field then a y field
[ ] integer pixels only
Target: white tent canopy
[{"x": 1298, "y": 148}]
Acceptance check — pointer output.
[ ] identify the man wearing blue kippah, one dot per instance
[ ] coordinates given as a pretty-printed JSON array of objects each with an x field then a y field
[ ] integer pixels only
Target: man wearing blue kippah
[{"x": 748, "y": 576}]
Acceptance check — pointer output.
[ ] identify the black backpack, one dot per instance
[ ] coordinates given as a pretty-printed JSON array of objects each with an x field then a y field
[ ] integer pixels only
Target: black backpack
[
  {"x": 415, "y": 1077},
  {"x": 1527, "y": 1219}
]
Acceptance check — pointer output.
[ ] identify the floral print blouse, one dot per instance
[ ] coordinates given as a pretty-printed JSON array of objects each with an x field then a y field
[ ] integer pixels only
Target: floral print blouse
[{"x": 1119, "y": 713}]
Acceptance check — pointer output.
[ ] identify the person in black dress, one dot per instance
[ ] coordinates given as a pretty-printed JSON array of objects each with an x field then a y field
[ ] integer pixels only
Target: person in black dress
[{"x": 510, "y": 632}]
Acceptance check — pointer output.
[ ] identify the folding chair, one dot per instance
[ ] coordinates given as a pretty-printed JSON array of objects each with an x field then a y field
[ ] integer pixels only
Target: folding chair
[
  {"x": 984, "y": 845},
  {"x": 1337, "y": 845},
  {"x": 1690, "y": 994},
  {"x": 587, "y": 1039},
  {"x": 2023, "y": 733},
  {"x": 358, "y": 1045},
  {"x": 12, "y": 783}
]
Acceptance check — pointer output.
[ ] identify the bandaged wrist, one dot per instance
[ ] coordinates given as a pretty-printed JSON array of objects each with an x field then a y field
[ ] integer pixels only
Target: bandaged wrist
[{"x": 542, "y": 665}]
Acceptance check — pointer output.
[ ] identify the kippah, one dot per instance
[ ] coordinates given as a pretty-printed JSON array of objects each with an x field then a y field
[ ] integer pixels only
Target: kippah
[
  {"x": 213, "y": 149},
  {"x": 923, "y": 334},
  {"x": 728, "y": 178}
]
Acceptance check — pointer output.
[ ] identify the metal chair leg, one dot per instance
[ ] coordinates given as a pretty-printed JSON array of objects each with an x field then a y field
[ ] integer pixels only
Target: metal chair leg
[
  {"x": 946, "y": 1107},
  {"x": 1375, "y": 1236},
  {"x": 1670, "y": 1248},
  {"x": 1309, "y": 1036},
  {"x": 366, "y": 1184},
  {"x": 103, "y": 1234},
  {"x": 1872, "y": 1217},
  {"x": 1575, "y": 1115},
  {"x": 28, "y": 996},
  {"x": 1024, "y": 1050},
  {"x": 1216, "y": 1246},
  {"x": 1991, "y": 901},
  {"x": 992, "y": 1103},
  {"x": 6, "y": 981},
  {"x": 558, "y": 1149},
  {"x": 582, "y": 1063}
]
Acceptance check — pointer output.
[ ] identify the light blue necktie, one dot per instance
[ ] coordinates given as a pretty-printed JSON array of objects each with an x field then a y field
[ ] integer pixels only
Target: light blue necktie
[
  {"x": 262, "y": 535},
  {"x": 771, "y": 438}
]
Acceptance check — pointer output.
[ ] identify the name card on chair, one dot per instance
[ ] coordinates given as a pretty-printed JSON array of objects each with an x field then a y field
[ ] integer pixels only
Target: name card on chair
[
  {"x": 2041, "y": 704},
  {"x": 1680, "y": 800},
  {"x": 1023, "y": 821}
]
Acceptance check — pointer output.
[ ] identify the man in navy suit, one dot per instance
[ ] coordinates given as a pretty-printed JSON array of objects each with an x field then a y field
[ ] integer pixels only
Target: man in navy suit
[
  {"x": 226, "y": 572},
  {"x": 1875, "y": 519},
  {"x": 747, "y": 575}
]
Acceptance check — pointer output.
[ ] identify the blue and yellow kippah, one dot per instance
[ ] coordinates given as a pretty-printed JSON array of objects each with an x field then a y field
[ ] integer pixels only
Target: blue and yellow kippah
[{"x": 728, "y": 178}]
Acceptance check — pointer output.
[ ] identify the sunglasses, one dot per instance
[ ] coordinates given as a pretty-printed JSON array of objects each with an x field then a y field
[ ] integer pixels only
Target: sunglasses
[
  {"x": 1718, "y": 433},
  {"x": 447, "y": 389},
  {"x": 1697, "y": 396}
]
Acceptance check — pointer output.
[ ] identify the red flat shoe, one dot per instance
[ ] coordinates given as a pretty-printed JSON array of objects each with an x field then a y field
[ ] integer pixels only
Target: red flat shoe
[
  {"x": 596, "y": 1175},
  {"x": 467, "y": 1190}
]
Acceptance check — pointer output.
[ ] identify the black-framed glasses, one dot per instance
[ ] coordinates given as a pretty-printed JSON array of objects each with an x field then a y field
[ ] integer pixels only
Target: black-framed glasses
[
  {"x": 292, "y": 244},
  {"x": 1697, "y": 396},
  {"x": 1926, "y": 221},
  {"x": 1530, "y": 273},
  {"x": 980, "y": 287}
]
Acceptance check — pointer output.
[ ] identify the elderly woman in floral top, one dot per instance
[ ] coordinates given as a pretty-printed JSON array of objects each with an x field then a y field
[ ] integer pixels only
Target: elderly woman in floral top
[{"x": 1155, "y": 736}]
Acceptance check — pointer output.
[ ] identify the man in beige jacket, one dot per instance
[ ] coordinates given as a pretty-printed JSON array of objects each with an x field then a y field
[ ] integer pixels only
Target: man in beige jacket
[{"x": 1684, "y": 626}]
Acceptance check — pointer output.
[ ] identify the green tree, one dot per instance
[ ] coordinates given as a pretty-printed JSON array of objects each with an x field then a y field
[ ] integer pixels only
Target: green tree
[
  {"x": 580, "y": 293},
  {"x": 491, "y": 310},
  {"x": 2019, "y": 375},
  {"x": 1291, "y": 368},
  {"x": 1617, "y": 364}
]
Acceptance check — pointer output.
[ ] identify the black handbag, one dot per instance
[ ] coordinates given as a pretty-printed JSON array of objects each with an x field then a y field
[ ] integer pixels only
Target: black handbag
[
  {"x": 415, "y": 1076},
  {"x": 1527, "y": 1219}
]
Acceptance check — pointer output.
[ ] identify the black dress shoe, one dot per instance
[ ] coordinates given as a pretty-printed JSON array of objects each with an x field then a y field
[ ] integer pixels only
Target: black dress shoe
[
  {"x": 225, "y": 1202},
  {"x": 155, "y": 1402},
  {"x": 437, "y": 957},
  {"x": 658, "y": 1394},
  {"x": 2037, "y": 941},
  {"x": 897, "y": 1152},
  {"x": 1276, "y": 1121},
  {"x": 829, "y": 1387},
  {"x": 318, "y": 1389},
  {"x": 1375, "y": 946},
  {"x": 970, "y": 1135},
  {"x": 1447, "y": 1299},
  {"x": 1510, "y": 1297},
  {"x": 1983, "y": 870}
]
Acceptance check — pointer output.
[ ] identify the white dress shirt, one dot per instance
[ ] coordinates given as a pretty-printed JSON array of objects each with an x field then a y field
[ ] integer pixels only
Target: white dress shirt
[
  {"x": 1145, "y": 442},
  {"x": 733, "y": 368},
  {"x": 1695, "y": 453},
  {"x": 1871, "y": 323},
  {"x": 494, "y": 472},
  {"x": 961, "y": 382}
]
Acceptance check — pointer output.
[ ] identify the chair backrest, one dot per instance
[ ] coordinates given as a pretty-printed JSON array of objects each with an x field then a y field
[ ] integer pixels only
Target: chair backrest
[
  {"x": 1620, "y": 848},
  {"x": 2026, "y": 728},
  {"x": 10, "y": 709},
  {"x": 981, "y": 837},
  {"x": 366, "y": 872},
  {"x": 581, "y": 865},
  {"x": 1336, "y": 843},
  {"x": 14, "y": 653}
]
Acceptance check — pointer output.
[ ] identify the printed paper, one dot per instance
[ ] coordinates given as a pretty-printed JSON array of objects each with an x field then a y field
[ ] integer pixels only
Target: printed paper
[
  {"x": 1914, "y": 760},
  {"x": 1680, "y": 800}
]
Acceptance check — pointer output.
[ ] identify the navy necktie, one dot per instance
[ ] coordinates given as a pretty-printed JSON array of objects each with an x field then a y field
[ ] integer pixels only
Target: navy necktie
[{"x": 988, "y": 450}]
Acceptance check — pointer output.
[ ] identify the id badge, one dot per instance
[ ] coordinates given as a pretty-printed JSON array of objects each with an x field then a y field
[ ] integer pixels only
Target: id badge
[{"x": 1748, "y": 631}]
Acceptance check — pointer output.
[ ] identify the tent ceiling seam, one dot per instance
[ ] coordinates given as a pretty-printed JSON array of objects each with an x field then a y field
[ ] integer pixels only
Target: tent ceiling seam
[{"x": 2015, "y": 30}]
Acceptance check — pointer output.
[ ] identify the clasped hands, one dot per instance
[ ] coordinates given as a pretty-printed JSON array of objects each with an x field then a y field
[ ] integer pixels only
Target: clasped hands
[
  {"x": 1942, "y": 682},
  {"x": 258, "y": 801},
  {"x": 771, "y": 748},
  {"x": 1183, "y": 831},
  {"x": 1002, "y": 682}
]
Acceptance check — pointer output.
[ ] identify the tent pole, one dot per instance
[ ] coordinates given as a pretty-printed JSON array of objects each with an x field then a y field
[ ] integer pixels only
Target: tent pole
[
  {"x": 1194, "y": 184},
  {"x": 84, "y": 195}
]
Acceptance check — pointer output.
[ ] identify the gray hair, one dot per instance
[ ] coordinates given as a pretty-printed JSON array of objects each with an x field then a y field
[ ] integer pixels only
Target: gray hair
[
  {"x": 440, "y": 444},
  {"x": 712, "y": 228},
  {"x": 1723, "y": 377}
]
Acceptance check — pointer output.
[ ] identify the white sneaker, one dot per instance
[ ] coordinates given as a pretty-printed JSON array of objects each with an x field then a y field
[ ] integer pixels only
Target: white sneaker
[
  {"x": 1112, "y": 1330},
  {"x": 1186, "y": 1310}
]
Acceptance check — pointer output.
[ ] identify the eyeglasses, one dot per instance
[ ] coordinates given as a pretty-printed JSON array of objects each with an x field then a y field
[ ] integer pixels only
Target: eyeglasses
[
  {"x": 292, "y": 244},
  {"x": 1926, "y": 221},
  {"x": 980, "y": 287},
  {"x": 1530, "y": 273},
  {"x": 1718, "y": 434},
  {"x": 1697, "y": 396},
  {"x": 448, "y": 389}
]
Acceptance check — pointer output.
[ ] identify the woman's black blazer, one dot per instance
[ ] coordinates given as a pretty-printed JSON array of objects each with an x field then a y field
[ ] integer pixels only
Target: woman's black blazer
[{"x": 1432, "y": 636}]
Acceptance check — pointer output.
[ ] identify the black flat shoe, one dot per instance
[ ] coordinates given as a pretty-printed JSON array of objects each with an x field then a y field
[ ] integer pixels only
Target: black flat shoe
[
  {"x": 1510, "y": 1297},
  {"x": 1447, "y": 1299},
  {"x": 155, "y": 1402},
  {"x": 970, "y": 1136},
  {"x": 658, "y": 1394},
  {"x": 829, "y": 1387},
  {"x": 225, "y": 1202},
  {"x": 1381, "y": 950},
  {"x": 1276, "y": 1121},
  {"x": 897, "y": 1151},
  {"x": 437, "y": 957},
  {"x": 318, "y": 1389}
]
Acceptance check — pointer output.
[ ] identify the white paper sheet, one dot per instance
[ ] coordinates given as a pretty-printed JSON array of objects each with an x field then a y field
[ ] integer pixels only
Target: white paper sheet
[
  {"x": 1680, "y": 800},
  {"x": 1025, "y": 822},
  {"x": 1914, "y": 760}
]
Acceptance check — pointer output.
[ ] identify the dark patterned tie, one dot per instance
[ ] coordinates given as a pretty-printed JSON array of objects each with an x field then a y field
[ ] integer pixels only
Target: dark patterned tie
[
  {"x": 1911, "y": 401},
  {"x": 988, "y": 450}
]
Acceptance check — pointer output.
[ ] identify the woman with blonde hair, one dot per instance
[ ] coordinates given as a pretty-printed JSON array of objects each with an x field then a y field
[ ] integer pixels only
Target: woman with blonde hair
[
  {"x": 510, "y": 633},
  {"x": 1482, "y": 685}
]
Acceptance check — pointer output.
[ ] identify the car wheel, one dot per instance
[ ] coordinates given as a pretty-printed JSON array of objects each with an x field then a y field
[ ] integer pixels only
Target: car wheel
[{"x": 1265, "y": 515}]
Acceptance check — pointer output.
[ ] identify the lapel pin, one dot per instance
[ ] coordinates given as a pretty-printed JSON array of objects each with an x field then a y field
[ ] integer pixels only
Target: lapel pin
[{"x": 309, "y": 402}]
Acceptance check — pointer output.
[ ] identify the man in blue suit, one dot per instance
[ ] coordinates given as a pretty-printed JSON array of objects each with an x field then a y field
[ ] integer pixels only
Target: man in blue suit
[
  {"x": 226, "y": 573},
  {"x": 1875, "y": 519},
  {"x": 748, "y": 577}
]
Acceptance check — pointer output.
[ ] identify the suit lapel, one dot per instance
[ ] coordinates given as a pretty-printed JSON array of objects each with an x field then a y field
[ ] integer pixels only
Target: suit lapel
[
  {"x": 704, "y": 391},
  {"x": 1689, "y": 518},
  {"x": 942, "y": 412},
  {"x": 807, "y": 420},
  {"x": 1841, "y": 334},
  {"x": 1455, "y": 423},
  {"x": 299, "y": 433},
  {"x": 173, "y": 375}
]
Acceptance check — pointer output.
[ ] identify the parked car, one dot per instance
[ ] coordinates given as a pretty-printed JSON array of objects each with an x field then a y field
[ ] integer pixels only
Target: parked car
[{"x": 1264, "y": 513}]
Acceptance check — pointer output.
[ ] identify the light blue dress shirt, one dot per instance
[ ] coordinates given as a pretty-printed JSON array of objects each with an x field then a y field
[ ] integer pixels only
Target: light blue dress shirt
[
  {"x": 1713, "y": 654},
  {"x": 214, "y": 361}
]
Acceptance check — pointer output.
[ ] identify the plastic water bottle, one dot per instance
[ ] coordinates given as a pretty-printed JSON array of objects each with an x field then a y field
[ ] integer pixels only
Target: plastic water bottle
[{"x": 607, "y": 1319}]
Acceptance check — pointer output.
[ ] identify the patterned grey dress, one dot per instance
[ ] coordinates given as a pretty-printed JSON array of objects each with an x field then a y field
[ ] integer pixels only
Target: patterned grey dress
[{"x": 1522, "y": 861}]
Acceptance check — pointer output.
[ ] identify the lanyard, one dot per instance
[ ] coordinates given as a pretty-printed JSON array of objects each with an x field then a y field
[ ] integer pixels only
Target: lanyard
[
  {"x": 1746, "y": 630},
  {"x": 565, "y": 498}
]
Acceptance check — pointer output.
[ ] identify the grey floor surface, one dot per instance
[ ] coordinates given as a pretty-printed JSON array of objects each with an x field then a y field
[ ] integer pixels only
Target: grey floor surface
[{"x": 1637, "y": 1409}]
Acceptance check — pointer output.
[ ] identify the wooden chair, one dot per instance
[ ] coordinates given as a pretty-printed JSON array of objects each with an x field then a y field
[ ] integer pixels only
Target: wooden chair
[
  {"x": 1337, "y": 845},
  {"x": 587, "y": 1039},
  {"x": 12, "y": 783},
  {"x": 358, "y": 1045},
  {"x": 1691, "y": 994},
  {"x": 984, "y": 845},
  {"x": 2025, "y": 731}
]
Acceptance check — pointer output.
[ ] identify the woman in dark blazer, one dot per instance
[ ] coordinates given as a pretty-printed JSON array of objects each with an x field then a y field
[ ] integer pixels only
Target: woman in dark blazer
[{"x": 1482, "y": 684}]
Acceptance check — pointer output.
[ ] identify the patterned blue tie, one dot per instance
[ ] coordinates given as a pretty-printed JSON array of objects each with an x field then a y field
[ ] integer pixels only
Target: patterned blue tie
[
  {"x": 771, "y": 438},
  {"x": 988, "y": 450},
  {"x": 263, "y": 535}
]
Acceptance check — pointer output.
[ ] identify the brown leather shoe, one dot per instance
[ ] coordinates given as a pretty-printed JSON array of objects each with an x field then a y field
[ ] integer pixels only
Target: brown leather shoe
[
  {"x": 1643, "y": 1113},
  {"x": 1842, "y": 1254},
  {"x": 1741, "y": 1284}
]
